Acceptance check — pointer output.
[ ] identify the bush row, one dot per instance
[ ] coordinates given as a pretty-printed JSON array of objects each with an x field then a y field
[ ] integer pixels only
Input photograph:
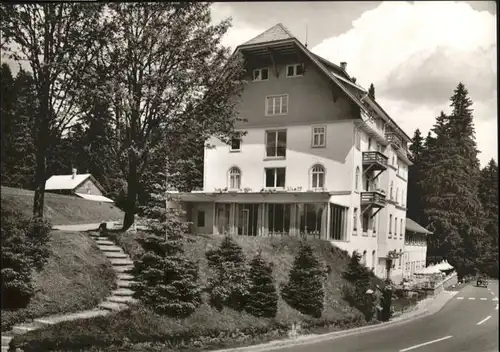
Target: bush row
[{"x": 99, "y": 334}]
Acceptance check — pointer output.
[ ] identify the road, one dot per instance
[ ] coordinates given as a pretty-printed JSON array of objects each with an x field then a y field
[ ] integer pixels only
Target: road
[{"x": 468, "y": 323}]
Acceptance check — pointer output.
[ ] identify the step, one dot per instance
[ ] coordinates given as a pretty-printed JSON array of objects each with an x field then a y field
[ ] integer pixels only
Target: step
[
  {"x": 123, "y": 269},
  {"x": 124, "y": 277},
  {"x": 102, "y": 238},
  {"x": 115, "y": 255},
  {"x": 121, "y": 262},
  {"x": 67, "y": 317},
  {"x": 122, "y": 292},
  {"x": 125, "y": 284},
  {"x": 110, "y": 249},
  {"x": 104, "y": 242},
  {"x": 121, "y": 299},
  {"x": 24, "y": 328},
  {"x": 112, "y": 306},
  {"x": 6, "y": 340}
]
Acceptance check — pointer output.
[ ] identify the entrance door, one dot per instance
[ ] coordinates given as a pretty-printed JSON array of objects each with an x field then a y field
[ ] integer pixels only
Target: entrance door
[{"x": 245, "y": 221}]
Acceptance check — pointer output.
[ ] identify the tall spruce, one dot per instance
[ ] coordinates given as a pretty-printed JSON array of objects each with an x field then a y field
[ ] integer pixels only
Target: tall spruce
[
  {"x": 262, "y": 294},
  {"x": 167, "y": 281},
  {"x": 304, "y": 290},
  {"x": 450, "y": 187},
  {"x": 414, "y": 199},
  {"x": 18, "y": 107},
  {"x": 488, "y": 194},
  {"x": 229, "y": 285}
]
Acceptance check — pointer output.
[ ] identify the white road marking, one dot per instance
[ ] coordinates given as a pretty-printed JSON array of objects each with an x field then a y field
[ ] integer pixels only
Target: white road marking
[
  {"x": 425, "y": 344},
  {"x": 484, "y": 299},
  {"x": 495, "y": 299},
  {"x": 460, "y": 298},
  {"x": 472, "y": 298},
  {"x": 485, "y": 319},
  {"x": 496, "y": 307}
]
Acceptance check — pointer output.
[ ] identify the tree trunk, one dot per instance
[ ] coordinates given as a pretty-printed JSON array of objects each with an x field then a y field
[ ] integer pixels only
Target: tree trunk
[
  {"x": 39, "y": 198},
  {"x": 132, "y": 185}
]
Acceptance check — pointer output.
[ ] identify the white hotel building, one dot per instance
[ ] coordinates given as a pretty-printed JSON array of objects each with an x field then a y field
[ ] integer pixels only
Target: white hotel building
[{"x": 319, "y": 158}]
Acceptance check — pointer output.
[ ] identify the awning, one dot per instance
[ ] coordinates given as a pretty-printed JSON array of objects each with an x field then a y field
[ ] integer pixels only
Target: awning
[
  {"x": 95, "y": 198},
  {"x": 414, "y": 227},
  {"x": 430, "y": 270},
  {"x": 252, "y": 197}
]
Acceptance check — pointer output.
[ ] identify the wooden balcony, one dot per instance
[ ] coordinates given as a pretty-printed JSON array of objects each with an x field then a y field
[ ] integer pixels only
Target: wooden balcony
[
  {"x": 374, "y": 199},
  {"x": 375, "y": 160}
]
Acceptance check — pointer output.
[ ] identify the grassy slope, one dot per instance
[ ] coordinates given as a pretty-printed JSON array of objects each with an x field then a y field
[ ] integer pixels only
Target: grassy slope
[
  {"x": 278, "y": 250},
  {"x": 76, "y": 277},
  {"x": 61, "y": 209}
]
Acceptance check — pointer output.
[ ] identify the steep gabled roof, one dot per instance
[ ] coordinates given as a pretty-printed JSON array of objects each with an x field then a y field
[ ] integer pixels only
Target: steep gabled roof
[
  {"x": 65, "y": 182},
  {"x": 339, "y": 76},
  {"x": 278, "y": 32},
  {"x": 69, "y": 182}
]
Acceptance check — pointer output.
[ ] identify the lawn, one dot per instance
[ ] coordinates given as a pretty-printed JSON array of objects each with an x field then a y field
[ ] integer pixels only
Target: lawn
[
  {"x": 62, "y": 209},
  {"x": 140, "y": 329},
  {"x": 76, "y": 277}
]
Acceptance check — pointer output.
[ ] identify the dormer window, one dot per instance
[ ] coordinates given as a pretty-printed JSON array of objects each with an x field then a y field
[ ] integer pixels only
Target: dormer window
[
  {"x": 261, "y": 74},
  {"x": 294, "y": 70}
]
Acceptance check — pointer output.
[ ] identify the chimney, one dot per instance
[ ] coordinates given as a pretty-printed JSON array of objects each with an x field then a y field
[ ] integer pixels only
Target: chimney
[
  {"x": 353, "y": 79},
  {"x": 343, "y": 65},
  {"x": 73, "y": 172}
]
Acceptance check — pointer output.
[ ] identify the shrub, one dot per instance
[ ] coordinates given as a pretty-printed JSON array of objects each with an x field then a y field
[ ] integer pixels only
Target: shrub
[
  {"x": 359, "y": 277},
  {"x": 24, "y": 248},
  {"x": 385, "y": 303},
  {"x": 167, "y": 281},
  {"x": 262, "y": 296},
  {"x": 229, "y": 286},
  {"x": 304, "y": 290}
]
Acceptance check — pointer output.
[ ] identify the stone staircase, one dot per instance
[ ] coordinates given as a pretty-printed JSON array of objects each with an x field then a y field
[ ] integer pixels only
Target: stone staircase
[{"x": 119, "y": 299}]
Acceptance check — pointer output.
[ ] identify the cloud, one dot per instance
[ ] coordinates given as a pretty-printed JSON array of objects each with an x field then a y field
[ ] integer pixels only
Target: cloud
[{"x": 416, "y": 53}]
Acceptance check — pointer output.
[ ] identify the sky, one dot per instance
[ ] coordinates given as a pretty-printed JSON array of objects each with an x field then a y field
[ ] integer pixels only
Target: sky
[{"x": 415, "y": 53}]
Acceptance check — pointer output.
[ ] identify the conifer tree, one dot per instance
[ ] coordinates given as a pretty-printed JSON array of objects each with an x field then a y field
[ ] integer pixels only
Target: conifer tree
[
  {"x": 229, "y": 286},
  {"x": 359, "y": 277},
  {"x": 262, "y": 295},
  {"x": 304, "y": 290},
  {"x": 450, "y": 187},
  {"x": 168, "y": 282},
  {"x": 371, "y": 91},
  {"x": 18, "y": 160},
  {"x": 414, "y": 199},
  {"x": 488, "y": 194}
]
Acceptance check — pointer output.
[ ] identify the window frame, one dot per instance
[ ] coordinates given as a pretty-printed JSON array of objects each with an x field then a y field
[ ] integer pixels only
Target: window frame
[
  {"x": 395, "y": 227},
  {"x": 357, "y": 179},
  {"x": 275, "y": 168},
  {"x": 355, "y": 220},
  {"x": 276, "y": 132},
  {"x": 198, "y": 218},
  {"x": 231, "y": 175},
  {"x": 294, "y": 70},
  {"x": 323, "y": 145},
  {"x": 260, "y": 69},
  {"x": 313, "y": 172},
  {"x": 281, "y": 96},
  {"x": 231, "y": 145},
  {"x": 390, "y": 225}
]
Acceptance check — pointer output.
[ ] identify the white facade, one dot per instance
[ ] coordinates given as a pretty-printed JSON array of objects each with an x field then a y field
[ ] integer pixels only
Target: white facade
[{"x": 329, "y": 171}]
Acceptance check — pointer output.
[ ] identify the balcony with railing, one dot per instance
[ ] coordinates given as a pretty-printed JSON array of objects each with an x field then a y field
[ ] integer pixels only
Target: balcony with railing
[
  {"x": 394, "y": 139},
  {"x": 374, "y": 199},
  {"x": 375, "y": 160}
]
